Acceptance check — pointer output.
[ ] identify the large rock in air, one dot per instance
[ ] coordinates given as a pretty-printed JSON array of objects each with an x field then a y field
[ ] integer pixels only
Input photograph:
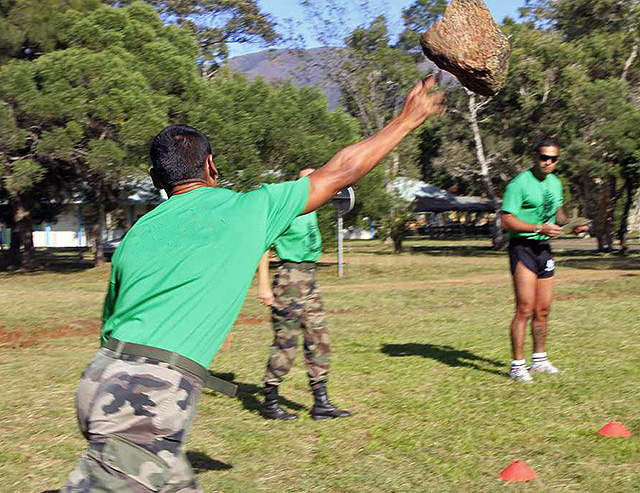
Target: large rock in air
[{"x": 468, "y": 43}]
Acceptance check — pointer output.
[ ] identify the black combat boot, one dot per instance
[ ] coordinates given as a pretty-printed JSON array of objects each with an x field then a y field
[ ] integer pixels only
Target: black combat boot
[
  {"x": 322, "y": 407},
  {"x": 270, "y": 409}
]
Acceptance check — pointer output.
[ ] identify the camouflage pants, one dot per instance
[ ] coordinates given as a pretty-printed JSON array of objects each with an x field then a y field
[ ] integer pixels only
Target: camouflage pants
[
  {"x": 297, "y": 308},
  {"x": 136, "y": 413}
]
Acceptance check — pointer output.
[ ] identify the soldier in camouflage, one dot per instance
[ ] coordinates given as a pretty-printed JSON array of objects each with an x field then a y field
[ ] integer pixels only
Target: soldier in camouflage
[
  {"x": 178, "y": 280},
  {"x": 146, "y": 409},
  {"x": 296, "y": 306}
]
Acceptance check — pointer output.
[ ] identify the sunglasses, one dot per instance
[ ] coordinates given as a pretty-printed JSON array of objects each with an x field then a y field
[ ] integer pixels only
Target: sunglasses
[{"x": 545, "y": 158}]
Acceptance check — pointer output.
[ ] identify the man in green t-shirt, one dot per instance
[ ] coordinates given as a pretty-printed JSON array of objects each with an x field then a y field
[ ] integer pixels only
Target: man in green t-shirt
[
  {"x": 296, "y": 306},
  {"x": 532, "y": 208},
  {"x": 178, "y": 280}
]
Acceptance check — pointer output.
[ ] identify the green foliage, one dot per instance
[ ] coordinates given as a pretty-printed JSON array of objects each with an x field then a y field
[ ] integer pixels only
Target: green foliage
[
  {"x": 12, "y": 138},
  {"x": 29, "y": 28},
  {"x": 215, "y": 23},
  {"x": 574, "y": 74},
  {"x": 418, "y": 18},
  {"x": 25, "y": 174},
  {"x": 91, "y": 108},
  {"x": 263, "y": 133}
]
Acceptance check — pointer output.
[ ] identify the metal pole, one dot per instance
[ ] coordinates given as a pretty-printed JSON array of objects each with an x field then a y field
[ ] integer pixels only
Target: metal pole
[{"x": 340, "y": 259}]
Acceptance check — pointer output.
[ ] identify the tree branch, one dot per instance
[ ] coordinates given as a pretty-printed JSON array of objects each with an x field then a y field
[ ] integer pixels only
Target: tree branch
[{"x": 632, "y": 56}]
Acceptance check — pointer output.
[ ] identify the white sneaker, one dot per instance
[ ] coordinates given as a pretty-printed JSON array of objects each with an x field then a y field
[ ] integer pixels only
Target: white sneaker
[
  {"x": 544, "y": 367},
  {"x": 520, "y": 374}
]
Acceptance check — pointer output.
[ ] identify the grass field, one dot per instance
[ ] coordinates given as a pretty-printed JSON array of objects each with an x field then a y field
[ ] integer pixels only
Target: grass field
[{"x": 420, "y": 357}]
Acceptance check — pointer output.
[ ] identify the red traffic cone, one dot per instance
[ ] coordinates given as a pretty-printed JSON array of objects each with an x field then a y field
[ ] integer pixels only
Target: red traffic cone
[
  {"x": 518, "y": 471},
  {"x": 614, "y": 429}
]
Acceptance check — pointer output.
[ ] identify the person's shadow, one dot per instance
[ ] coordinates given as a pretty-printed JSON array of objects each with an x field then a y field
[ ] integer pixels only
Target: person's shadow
[
  {"x": 248, "y": 394},
  {"x": 445, "y": 354},
  {"x": 201, "y": 462}
]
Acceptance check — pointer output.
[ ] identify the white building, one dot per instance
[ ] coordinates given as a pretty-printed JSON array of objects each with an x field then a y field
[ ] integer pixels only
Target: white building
[{"x": 70, "y": 228}]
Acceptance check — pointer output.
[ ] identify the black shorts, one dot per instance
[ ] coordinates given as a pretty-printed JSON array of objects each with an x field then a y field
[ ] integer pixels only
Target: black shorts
[{"x": 535, "y": 255}]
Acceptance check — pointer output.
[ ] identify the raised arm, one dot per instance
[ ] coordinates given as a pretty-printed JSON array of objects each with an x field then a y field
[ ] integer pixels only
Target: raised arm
[{"x": 353, "y": 162}]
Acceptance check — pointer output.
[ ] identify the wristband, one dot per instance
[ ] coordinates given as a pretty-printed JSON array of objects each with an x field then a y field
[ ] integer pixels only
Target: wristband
[{"x": 537, "y": 228}]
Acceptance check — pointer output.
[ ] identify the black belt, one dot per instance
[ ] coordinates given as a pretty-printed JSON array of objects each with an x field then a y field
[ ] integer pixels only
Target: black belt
[
  {"x": 299, "y": 265},
  {"x": 175, "y": 360}
]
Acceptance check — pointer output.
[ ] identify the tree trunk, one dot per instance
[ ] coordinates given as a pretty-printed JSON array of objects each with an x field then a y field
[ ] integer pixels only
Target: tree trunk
[
  {"x": 606, "y": 214},
  {"x": 630, "y": 189},
  {"x": 397, "y": 244},
  {"x": 14, "y": 248},
  {"x": 23, "y": 258},
  {"x": 632, "y": 56},
  {"x": 499, "y": 238},
  {"x": 99, "y": 224}
]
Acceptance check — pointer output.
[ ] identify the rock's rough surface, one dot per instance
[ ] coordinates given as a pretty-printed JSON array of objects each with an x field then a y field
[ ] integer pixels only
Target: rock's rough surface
[{"x": 468, "y": 43}]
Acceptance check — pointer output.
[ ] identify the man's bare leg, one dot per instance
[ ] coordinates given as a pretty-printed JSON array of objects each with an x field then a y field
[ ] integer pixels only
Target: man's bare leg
[
  {"x": 539, "y": 327},
  {"x": 539, "y": 324},
  {"x": 524, "y": 285}
]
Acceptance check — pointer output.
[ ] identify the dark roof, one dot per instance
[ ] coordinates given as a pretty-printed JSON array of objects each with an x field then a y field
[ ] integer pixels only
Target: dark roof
[{"x": 428, "y": 198}]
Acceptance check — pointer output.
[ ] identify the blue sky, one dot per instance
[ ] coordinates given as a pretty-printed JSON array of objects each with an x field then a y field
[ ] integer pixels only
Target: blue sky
[{"x": 284, "y": 10}]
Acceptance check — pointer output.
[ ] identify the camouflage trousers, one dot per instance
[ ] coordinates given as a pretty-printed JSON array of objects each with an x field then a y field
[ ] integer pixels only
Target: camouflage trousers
[
  {"x": 298, "y": 309},
  {"x": 136, "y": 413}
]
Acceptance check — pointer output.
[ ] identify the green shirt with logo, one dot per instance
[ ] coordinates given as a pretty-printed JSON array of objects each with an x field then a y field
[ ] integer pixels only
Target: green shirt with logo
[
  {"x": 181, "y": 274},
  {"x": 301, "y": 242},
  {"x": 533, "y": 201}
]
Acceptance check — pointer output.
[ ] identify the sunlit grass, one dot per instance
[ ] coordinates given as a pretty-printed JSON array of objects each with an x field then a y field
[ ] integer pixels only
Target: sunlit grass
[{"x": 420, "y": 351}]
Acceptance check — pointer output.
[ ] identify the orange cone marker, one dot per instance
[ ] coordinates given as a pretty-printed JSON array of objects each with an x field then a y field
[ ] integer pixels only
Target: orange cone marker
[
  {"x": 614, "y": 429},
  {"x": 518, "y": 471}
]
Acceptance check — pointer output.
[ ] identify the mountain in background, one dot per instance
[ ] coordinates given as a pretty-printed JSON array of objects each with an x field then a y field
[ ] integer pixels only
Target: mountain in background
[{"x": 301, "y": 67}]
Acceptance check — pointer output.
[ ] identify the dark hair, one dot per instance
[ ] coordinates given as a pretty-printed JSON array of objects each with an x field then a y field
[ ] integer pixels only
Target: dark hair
[
  {"x": 546, "y": 142},
  {"x": 178, "y": 154}
]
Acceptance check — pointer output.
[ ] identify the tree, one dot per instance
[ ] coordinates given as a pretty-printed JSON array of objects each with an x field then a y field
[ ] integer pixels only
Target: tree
[
  {"x": 30, "y": 28},
  {"x": 374, "y": 77},
  {"x": 266, "y": 133},
  {"x": 607, "y": 33},
  {"x": 216, "y": 23},
  {"x": 418, "y": 18},
  {"x": 581, "y": 92},
  {"x": 91, "y": 109}
]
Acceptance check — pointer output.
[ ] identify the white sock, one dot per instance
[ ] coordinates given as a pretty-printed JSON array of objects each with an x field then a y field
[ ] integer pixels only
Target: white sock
[
  {"x": 537, "y": 358},
  {"x": 516, "y": 364}
]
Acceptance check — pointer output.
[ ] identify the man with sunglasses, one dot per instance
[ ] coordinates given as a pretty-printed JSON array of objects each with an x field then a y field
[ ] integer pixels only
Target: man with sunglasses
[{"x": 532, "y": 209}]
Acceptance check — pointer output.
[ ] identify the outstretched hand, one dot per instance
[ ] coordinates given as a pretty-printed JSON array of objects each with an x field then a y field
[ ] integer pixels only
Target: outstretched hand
[{"x": 422, "y": 103}]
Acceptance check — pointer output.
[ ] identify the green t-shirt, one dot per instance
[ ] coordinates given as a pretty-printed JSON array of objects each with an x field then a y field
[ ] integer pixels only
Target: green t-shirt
[
  {"x": 181, "y": 274},
  {"x": 301, "y": 242},
  {"x": 533, "y": 201}
]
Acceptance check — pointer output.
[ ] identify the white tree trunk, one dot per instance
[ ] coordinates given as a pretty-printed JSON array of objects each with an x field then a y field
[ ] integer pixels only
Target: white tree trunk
[{"x": 484, "y": 166}]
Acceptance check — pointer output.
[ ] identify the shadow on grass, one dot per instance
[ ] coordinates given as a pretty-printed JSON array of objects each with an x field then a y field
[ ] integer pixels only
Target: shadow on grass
[
  {"x": 250, "y": 395},
  {"x": 591, "y": 261},
  {"x": 61, "y": 261},
  {"x": 201, "y": 462},
  {"x": 456, "y": 250},
  {"x": 445, "y": 354}
]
